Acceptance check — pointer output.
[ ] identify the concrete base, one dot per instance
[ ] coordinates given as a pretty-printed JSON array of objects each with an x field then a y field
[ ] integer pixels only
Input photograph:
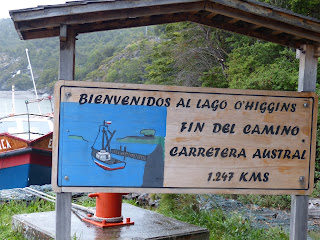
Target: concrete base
[{"x": 147, "y": 225}]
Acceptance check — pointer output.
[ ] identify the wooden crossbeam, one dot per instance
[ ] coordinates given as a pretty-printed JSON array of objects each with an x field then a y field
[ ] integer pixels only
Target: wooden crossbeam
[
  {"x": 246, "y": 31},
  {"x": 212, "y": 15},
  {"x": 317, "y": 52},
  {"x": 276, "y": 32},
  {"x": 102, "y": 16},
  {"x": 268, "y": 23},
  {"x": 254, "y": 27},
  {"x": 232, "y": 21}
]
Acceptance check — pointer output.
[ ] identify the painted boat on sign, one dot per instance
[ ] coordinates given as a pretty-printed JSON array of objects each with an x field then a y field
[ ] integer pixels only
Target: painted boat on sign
[
  {"x": 102, "y": 154},
  {"x": 25, "y": 149}
]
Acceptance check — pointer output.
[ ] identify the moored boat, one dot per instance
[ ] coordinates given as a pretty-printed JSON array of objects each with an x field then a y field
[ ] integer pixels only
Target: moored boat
[{"x": 25, "y": 149}]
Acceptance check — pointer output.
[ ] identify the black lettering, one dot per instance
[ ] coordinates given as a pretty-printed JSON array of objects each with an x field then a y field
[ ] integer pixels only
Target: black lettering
[
  {"x": 183, "y": 152},
  {"x": 167, "y": 102},
  {"x": 183, "y": 126},
  {"x": 199, "y": 127},
  {"x": 159, "y": 102},
  {"x": 180, "y": 103},
  {"x": 198, "y": 103},
  {"x": 218, "y": 174},
  {"x": 285, "y": 107},
  {"x": 143, "y": 100},
  {"x": 257, "y": 104},
  {"x": 209, "y": 152},
  {"x": 151, "y": 101},
  {"x": 249, "y": 106},
  {"x": 296, "y": 154},
  {"x": 287, "y": 154},
  {"x": 242, "y": 153},
  {"x": 268, "y": 130},
  {"x": 295, "y": 131},
  {"x": 217, "y": 152},
  {"x": 216, "y": 127},
  {"x": 206, "y": 104},
  {"x": 188, "y": 103},
  {"x": 224, "y": 152},
  {"x": 225, "y": 128},
  {"x": 257, "y": 154},
  {"x": 279, "y": 151},
  {"x": 232, "y": 128},
  {"x": 90, "y": 99},
  {"x": 286, "y": 130},
  {"x": 255, "y": 177},
  {"x": 255, "y": 129},
  {"x": 174, "y": 151},
  {"x": 83, "y": 98},
  {"x": 116, "y": 100},
  {"x": 233, "y": 152},
  {"x": 271, "y": 107},
  {"x": 223, "y": 104},
  {"x": 97, "y": 99},
  {"x": 243, "y": 177},
  {"x": 215, "y": 105},
  {"x": 107, "y": 99},
  {"x": 263, "y": 107},
  {"x": 246, "y": 129},
  {"x": 193, "y": 151},
  {"x": 135, "y": 100},
  {"x": 265, "y": 177},
  {"x": 201, "y": 152},
  {"x": 266, "y": 153},
  {"x": 238, "y": 105},
  {"x": 125, "y": 100}
]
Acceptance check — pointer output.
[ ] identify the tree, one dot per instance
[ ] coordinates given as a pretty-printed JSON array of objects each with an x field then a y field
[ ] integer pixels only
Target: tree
[{"x": 263, "y": 66}]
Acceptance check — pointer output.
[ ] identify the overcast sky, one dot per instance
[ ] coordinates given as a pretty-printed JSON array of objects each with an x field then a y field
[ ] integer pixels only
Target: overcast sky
[{"x": 6, "y": 5}]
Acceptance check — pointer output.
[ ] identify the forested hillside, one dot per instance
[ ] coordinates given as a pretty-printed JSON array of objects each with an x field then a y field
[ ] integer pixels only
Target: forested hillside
[
  {"x": 91, "y": 51},
  {"x": 180, "y": 54}
]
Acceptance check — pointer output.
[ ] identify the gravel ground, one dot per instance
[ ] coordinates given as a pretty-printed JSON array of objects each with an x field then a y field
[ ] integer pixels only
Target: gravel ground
[{"x": 260, "y": 217}]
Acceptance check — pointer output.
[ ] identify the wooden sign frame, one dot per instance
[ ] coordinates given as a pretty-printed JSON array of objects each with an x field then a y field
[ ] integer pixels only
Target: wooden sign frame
[{"x": 203, "y": 140}]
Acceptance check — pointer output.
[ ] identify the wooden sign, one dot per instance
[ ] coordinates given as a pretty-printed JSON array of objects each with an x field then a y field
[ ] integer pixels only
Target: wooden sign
[{"x": 141, "y": 138}]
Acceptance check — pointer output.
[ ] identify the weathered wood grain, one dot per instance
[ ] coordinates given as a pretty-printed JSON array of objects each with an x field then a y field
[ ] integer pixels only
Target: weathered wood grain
[{"x": 219, "y": 140}]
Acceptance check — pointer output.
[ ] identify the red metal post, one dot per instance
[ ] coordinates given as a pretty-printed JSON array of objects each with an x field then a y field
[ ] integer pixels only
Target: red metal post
[{"x": 108, "y": 210}]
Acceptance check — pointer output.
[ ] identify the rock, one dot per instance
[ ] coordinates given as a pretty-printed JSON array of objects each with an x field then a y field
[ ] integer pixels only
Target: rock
[{"x": 314, "y": 208}]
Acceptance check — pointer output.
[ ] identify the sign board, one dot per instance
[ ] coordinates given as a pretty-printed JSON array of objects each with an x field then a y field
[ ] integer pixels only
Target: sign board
[{"x": 141, "y": 138}]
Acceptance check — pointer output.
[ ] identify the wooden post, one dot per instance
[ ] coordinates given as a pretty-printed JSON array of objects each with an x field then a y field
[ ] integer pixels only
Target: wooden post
[
  {"x": 67, "y": 53},
  {"x": 66, "y": 72},
  {"x": 63, "y": 216},
  {"x": 307, "y": 83}
]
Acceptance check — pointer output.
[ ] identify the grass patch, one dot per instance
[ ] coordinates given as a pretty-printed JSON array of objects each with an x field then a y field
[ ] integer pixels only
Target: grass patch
[
  {"x": 221, "y": 226},
  {"x": 269, "y": 201},
  {"x": 184, "y": 207},
  {"x": 8, "y": 209},
  {"x": 314, "y": 235}
]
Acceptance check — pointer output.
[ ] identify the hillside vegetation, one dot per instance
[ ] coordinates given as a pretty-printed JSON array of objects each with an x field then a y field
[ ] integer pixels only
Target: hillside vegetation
[
  {"x": 174, "y": 54},
  {"x": 180, "y": 54}
]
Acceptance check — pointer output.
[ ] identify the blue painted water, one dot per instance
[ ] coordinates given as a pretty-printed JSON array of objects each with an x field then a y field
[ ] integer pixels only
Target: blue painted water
[{"x": 84, "y": 121}]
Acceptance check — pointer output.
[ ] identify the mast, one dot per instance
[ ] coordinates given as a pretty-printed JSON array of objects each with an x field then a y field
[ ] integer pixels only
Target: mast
[
  {"x": 13, "y": 110},
  {"x": 34, "y": 84}
]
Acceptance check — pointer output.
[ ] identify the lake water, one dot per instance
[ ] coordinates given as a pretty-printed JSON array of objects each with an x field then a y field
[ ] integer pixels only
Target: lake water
[{"x": 20, "y": 105}]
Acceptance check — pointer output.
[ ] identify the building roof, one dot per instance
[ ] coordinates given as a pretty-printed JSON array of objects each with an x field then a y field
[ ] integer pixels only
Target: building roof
[{"x": 246, "y": 17}]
